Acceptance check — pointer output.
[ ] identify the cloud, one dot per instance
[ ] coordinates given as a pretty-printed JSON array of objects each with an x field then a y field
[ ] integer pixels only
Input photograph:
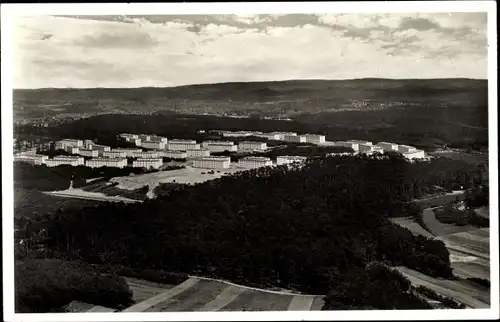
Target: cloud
[{"x": 132, "y": 51}]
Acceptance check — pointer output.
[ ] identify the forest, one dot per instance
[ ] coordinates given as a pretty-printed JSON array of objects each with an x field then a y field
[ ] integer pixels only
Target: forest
[{"x": 298, "y": 228}]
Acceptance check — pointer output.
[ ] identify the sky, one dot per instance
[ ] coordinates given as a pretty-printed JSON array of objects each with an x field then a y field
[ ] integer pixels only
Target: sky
[{"x": 162, "y": 51}]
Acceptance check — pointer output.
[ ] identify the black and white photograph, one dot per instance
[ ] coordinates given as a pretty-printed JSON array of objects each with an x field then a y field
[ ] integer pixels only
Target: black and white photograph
[{"x": 264, "y": 161}]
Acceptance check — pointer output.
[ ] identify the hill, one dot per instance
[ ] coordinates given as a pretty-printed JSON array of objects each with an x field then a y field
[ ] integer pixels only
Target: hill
[{"x": 253, "y": 98}]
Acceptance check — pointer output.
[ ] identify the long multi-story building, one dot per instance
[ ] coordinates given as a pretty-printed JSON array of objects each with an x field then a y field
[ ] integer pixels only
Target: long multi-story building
[
  {"x": 72, "y": 149},
  {"x": 212, "y": 162},
  {"x": 315, "y": 138},
  {"x": 106, "y": 162},
  {"x": 175, "y": 154},
  {"x": 252, "y": 146},
  {"x": 294, "y": 138},
  {"x": 129, "y": 136},
  {"x": 101, "y": 148},
  {"x": 182, "y": 145},
  {"x": 153, "y": 145},
  {"x": 269, "y": 136},
  {"x": 147, "y": 163},
  {"x": 64, "y": 160},
  {"x": 156, "y": 139},
  {"x": 114, "y": 154},
  {"x": 144, "y": 137},
  {"x": 281, "y": 135},
  {"x": 406, "y": 148},
  {"x": 88, "y": 153},
  {"x": 362, "y": 142},
  {"x": 220, "y": 146},
  {"x": 146, "y": 154},
  {"x": 287, "y": 159},
  {"x": 63, "y": 144},
  {"x": 388, "y": 146},
  {"x": 31, "y": 157},
  {"x": 129, "y": 153},
  {"x": 196, "y": 153},
  {"x": 254, "y": 162}
]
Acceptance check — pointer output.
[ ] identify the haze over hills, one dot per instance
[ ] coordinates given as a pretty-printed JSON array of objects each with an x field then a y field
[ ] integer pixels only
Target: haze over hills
[{"x": 277, "y": 98}]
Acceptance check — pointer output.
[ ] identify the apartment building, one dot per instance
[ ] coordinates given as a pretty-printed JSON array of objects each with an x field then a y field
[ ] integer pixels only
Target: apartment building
[
  {"x": 220, "y": 146},
  {"x": 147, "y": 163},
  {"x": 114, "y": 154},
  {"x": 294, "y": 138},
  {"x": 175, "y": 154},
  {"x": 129, "y": 136},
  {"x": 63, "y": 144},
  {"x": 254, "y": 162},
  {"x": 144, "y": 137},
  {"x": 252, "y": 146},
  {"x": 212, "y": 162},
  {"x": 101, "y": 148},
  {"x": 88, "y": 153},
  {"x": 196, "y": 153},
  {"x": 287, "y": 159},
  {"x": 146, "y": 154},
  {"x": 236, "y": 134},
  {"x": 156, "y": 139},
  {"x": 182, "y": 145},
  {"x": 72, "y": 149},
  {"x": 153, "y": 145},
  {"x": 315, "y": 138},
  {"x": 406, "y": 148},
  {"x": 129, "y": 153},
  {"x": 362, "y": 142},
  {"x": 387, "y": 146},
  {"x": 64, "y": 160},
  {"x": 106, "y": 162},
  {"x": 31, "y": 158}
]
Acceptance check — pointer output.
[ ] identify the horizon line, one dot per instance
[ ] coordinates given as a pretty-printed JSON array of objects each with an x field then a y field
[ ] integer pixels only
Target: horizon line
[{"x": 260, "y": 81}]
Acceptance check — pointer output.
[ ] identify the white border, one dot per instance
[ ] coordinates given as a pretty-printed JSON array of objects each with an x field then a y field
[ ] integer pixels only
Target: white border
[{"x": 8, "y": 11}]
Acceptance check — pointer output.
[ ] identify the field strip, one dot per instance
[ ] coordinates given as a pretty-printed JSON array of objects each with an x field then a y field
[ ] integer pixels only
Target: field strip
[
  {"x": 142, "y": 306},
  {"x": 228, "y": 295},
  {"x": 301, "y": 303},
  {"x": 462, "y": 296},
  {"x": 102, "y": 309},
  {"x": 466, "y": 251},
  {"x": 253, "y": 288}
]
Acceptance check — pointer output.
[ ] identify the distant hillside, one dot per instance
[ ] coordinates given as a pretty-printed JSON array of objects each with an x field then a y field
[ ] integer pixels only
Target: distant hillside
[{"x": 285, "y": 98}]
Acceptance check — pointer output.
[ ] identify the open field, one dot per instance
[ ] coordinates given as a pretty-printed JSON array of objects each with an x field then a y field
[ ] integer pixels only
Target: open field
[
  {"x": 472, "y": 295},
  {"x": 187, "y": 175},
  {"x": 472, "y": 158},
  {"x": 87, "y": 195},
  {"x": 201, "y": 294}
]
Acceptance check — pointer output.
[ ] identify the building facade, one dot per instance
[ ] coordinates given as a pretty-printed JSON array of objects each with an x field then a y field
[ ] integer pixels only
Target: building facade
[
  {"x": 315, "y": 138},
  {"x": 88, "y": 153},
  {"x": 182, "y": 145},
  {"x": 196, "y": 153},
  {"x": 294, "y": 138},
  {"x": 101, "y": 148},
  {"x": 147, "y": 163},
  {"x": 146, "y": 154},
  {"x": 106, "y": 162},
  {"x": 72, "y": 149},
  {"x": 252, "y": 146},
  {"x": 387, "y": 146},
  {"x": 175, "y": 154},
  {"x": 368, "y": 148},
  {"x": 153, "y": 145},
  {"x": 129, "y": 153},
  {"x": 287, "y": 159},
  {"x": 63, "y": 144},
  {"x": 114, "y": 154},
  {"x": 220, "y": 146},
  {"x": 212, "y": 162},
  {"x": 31, "y": 158},
  {"x": 347, "y": 144},
  {"x": 254, "y": 162},
  {"x": 64, "y": 160}
]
